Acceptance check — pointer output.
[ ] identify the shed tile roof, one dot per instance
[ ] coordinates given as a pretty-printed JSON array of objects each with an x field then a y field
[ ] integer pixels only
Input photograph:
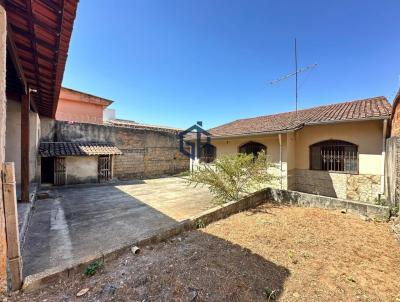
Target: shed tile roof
[
  {"x": 377, "y": 107},
  {"x": 54, "y": 149}
]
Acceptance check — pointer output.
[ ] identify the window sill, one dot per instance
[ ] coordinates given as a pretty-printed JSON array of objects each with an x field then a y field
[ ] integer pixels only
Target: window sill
[{"x": 336, "y": 172}]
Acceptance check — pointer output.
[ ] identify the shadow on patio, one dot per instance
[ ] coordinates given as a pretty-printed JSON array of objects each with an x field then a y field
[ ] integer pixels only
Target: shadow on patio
[
  {"x": 80, "y": 221},
  {"x": 195, "y": 266}
]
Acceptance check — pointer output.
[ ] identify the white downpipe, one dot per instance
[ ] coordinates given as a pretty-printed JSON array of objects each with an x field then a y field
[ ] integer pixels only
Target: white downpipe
[
  {"x": 280, "y": 158},
  {"x": 384, "y": 132}
]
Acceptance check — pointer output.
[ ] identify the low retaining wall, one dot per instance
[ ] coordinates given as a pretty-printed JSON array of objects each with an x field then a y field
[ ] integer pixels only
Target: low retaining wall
[{"x": 310, "y": 200}]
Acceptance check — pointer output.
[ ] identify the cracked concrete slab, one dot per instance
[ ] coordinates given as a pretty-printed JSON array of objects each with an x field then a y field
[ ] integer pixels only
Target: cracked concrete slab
[{"x": 80, "y": 221}]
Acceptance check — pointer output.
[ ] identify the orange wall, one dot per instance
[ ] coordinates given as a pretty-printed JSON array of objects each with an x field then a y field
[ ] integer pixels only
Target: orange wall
[{"x": 77, "y": 107}]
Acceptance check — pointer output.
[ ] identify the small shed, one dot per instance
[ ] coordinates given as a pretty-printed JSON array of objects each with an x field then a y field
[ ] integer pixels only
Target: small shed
[{"x": 74, "y": 163}]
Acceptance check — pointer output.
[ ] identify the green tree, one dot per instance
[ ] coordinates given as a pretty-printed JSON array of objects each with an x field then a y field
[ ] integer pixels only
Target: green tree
[{"x": 231, "y": 177}]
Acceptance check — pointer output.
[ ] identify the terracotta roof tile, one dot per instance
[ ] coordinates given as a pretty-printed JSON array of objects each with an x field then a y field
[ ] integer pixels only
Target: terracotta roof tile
[
  {"x": 136, "y": 125},
  {"x": 54, "y": 149},
  {"x": 377, "y": 107}
]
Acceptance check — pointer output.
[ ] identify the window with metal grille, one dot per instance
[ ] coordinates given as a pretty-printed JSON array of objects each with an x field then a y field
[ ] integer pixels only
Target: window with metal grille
[
  {"x": 252, "y": 148},
  {"x": 334, "y": 155},
  {"x": 208, "y": 153}
]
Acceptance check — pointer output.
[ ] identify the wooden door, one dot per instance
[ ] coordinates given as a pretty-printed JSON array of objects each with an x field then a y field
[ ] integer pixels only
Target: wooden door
[
  {"x": 104, "y": 168},
  {"x": 59, "y": 171}
]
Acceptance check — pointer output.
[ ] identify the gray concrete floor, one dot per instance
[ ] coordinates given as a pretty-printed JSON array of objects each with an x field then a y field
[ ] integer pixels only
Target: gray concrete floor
[{"x": 79, "y": 221}]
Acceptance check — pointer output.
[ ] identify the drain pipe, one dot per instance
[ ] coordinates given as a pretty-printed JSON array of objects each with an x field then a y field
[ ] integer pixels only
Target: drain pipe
[
  {"x": 384, "y": 133},
  {"x": 280, "y": 157}
]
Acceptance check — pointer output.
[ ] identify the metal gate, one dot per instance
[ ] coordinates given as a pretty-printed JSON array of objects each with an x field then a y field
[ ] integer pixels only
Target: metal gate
[
  {"x": 104, "y": 168},
  {"x": 59, "y": 171}
]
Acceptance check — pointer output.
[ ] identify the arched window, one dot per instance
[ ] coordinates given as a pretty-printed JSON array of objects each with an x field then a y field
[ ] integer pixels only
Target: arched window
[
  {"x": 334, "y": 155},
  {"x": 208, "y": 153},
  {"x": 252, "y": 148}
]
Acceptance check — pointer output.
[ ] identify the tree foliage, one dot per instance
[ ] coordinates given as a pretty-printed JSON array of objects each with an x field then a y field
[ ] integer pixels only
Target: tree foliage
[{"x": 231, "y": 177}]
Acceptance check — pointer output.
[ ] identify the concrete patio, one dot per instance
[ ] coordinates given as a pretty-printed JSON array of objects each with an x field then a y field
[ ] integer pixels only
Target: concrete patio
[{"x": 79, "y": 221}]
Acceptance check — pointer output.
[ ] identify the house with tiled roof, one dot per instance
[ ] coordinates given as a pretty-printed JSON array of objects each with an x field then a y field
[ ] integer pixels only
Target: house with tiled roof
[
  {"x": 81, "y": 107},
  {"x": 84, "y": 145},
  {"x": 334, "y": 150}
]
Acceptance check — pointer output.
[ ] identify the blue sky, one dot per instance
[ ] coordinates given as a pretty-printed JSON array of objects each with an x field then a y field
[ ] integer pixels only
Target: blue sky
[{"x": 174, "y": 62}]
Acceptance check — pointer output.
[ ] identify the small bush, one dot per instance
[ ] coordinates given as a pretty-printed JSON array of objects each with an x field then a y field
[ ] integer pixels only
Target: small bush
[
  {"x": 394, "y": 211},
  {"x": 200, "y": 224},
  {"x": 92, "y": 268},
  {"x": 381, "y": 200},
  {"x": 270, "y": 294}
]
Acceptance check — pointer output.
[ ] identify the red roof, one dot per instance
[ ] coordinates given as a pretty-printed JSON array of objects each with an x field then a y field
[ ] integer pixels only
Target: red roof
[{"x": 372, "y": 108}]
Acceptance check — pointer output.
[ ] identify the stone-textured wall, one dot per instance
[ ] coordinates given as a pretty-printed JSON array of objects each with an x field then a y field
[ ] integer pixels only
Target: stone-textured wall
[
  {"x": 365, "y": 188},
  {"x": 146, "y": 152},
  {"x": 392, "y": 171},
  {"x": 358, "y": 187}
]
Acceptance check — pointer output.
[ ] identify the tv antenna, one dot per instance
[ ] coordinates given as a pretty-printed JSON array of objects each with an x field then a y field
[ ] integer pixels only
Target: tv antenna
[{"x": 296, "y": 73}]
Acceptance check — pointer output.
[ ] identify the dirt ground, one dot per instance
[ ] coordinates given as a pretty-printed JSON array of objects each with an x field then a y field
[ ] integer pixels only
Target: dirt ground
[{"x": 298, "y": 254}]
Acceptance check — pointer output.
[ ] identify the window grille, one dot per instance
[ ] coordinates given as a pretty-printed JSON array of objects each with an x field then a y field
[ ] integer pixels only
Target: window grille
[
  {"x": 252, "y": 148},
  {"x": 334, "y": 155}
]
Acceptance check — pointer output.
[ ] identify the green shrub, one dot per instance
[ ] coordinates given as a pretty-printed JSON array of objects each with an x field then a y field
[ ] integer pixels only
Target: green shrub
[
  {"x": 93, "y": 267},
  {"x": 231, "y": 177},
  {"x": 200, "y": 224}
]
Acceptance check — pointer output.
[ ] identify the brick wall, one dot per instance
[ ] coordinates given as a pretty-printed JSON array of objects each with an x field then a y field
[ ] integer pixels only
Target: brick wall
[
  {"x": 146, "y": 152},
  {"x": 396, "y": 116}
]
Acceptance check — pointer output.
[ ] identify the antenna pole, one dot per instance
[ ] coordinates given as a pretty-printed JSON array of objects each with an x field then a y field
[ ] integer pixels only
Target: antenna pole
[
  {"x": 295, "y": 73},
  {"x": 295, "y": 62}
]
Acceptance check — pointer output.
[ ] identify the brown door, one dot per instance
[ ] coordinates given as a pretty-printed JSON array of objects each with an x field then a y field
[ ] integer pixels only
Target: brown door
[
  {"x": 59, "y": 171},
  {"x": 104, "y": 168}
]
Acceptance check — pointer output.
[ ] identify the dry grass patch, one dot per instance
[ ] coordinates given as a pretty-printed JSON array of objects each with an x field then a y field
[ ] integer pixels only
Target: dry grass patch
[
  {"x": 303, "y": 254},
  {"x": 330, "y": 256}
]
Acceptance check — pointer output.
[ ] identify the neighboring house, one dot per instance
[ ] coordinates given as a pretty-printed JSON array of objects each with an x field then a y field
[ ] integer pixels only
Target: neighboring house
[
  {"x": 335, "y": 150},
  {"x": 86, "y": 144},
  {"x": 72, "y": 161},
  {"x": 77, "y": 106}
]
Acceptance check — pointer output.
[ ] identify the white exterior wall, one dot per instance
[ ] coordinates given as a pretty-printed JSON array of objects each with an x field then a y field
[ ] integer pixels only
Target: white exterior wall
[
  {"x": 81, "y": 169},
  {"x": 13, "y": 140}
]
